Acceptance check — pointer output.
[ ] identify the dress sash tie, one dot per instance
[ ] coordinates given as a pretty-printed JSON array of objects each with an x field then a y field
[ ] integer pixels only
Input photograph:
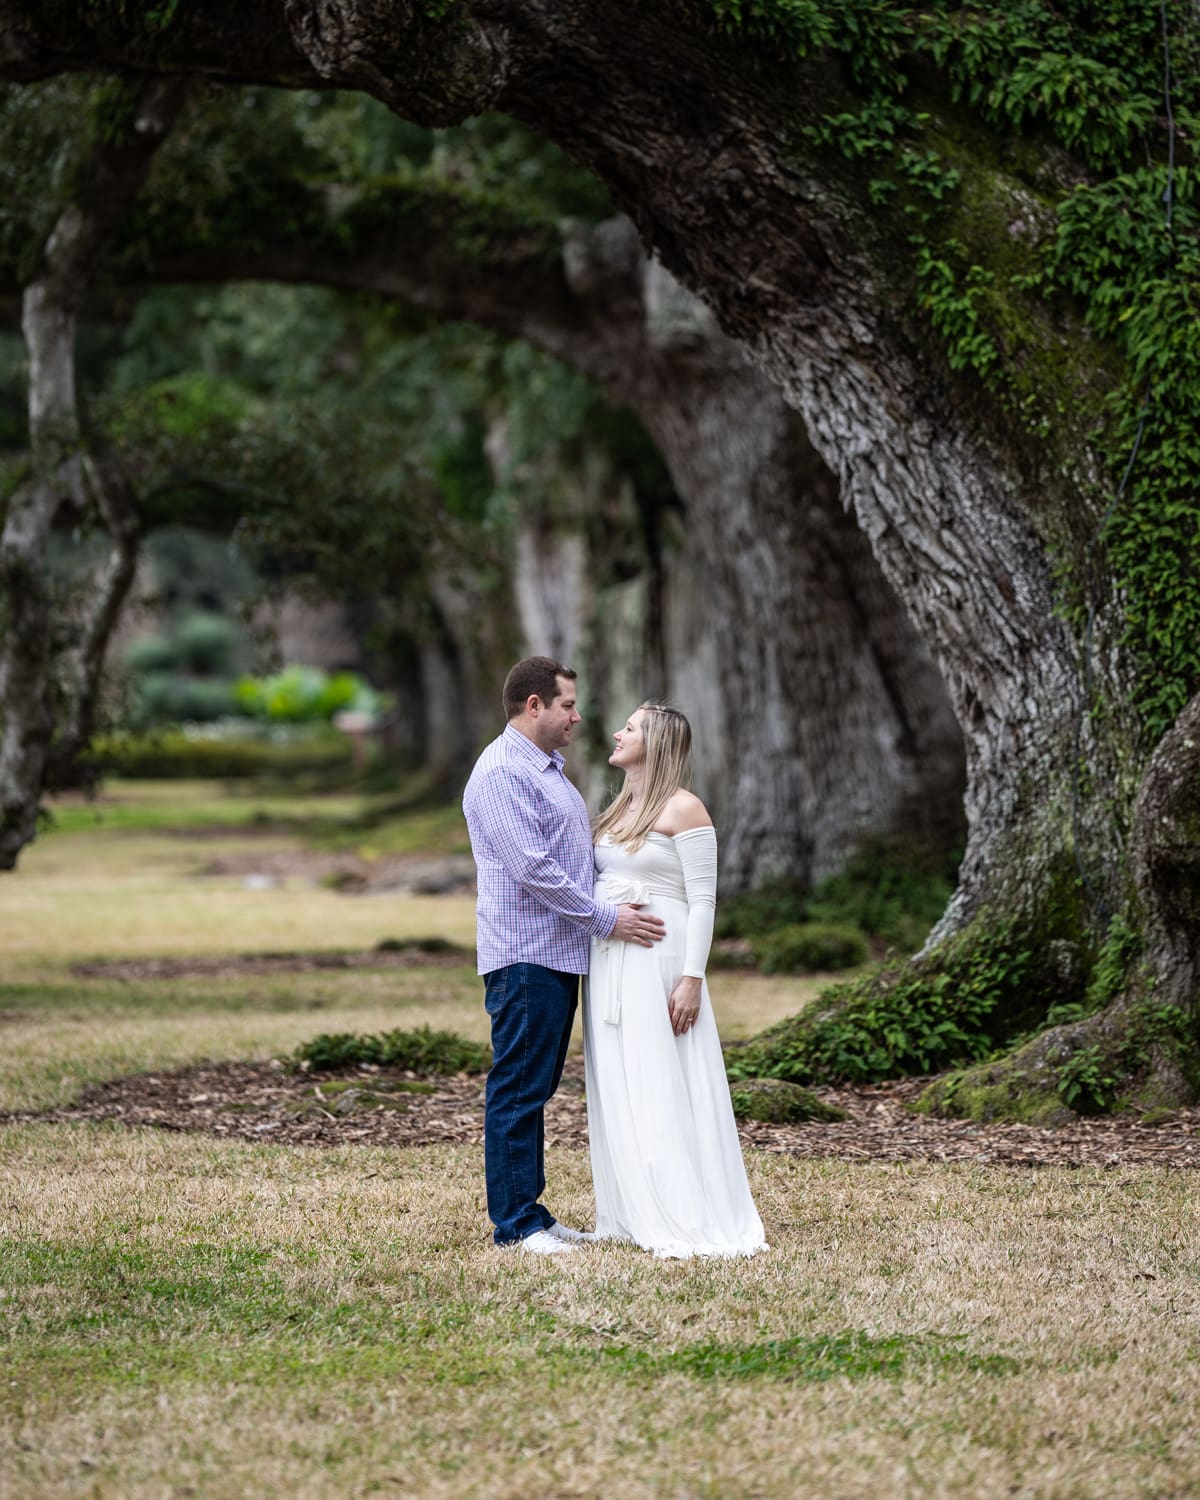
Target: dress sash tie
[{"x": 622, "y": 890}]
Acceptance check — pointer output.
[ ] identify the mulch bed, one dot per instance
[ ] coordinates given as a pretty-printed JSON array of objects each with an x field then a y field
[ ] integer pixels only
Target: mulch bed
[
  {"x": 266, "y": 1102},
  {"x": 226, "y": 965}
]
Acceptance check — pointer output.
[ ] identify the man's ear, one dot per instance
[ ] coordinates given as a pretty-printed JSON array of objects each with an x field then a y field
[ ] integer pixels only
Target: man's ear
[{"x": 533, "y": 705}]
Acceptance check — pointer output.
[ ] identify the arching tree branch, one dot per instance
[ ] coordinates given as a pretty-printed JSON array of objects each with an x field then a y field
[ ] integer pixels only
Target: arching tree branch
[
  {"x": 63, "y": 471},
  {"x": 865, "y": 745}
]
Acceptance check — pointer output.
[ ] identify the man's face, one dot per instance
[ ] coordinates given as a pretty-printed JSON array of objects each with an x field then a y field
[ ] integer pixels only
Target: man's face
[{"x": 555, "y": 721}]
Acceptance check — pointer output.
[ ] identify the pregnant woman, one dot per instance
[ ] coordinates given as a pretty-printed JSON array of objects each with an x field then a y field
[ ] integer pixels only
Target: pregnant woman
[{"x": 666, "y": 1159}]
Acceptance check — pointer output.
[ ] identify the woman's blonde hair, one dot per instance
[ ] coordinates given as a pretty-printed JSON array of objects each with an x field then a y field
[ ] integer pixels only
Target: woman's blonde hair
[{"x": 668, "y": 763}]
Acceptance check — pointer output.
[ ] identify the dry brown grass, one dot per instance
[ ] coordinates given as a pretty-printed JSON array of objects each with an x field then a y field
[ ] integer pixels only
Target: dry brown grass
[
  {"x": 474, "y": 1371},
  {"x": 184, "y": 1316},
  {"x": 132, "y": 895}
]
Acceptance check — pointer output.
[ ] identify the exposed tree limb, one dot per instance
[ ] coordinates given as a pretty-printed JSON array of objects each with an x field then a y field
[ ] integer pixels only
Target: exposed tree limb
[
  {"x": 863, "y": 742},
  {"x": 1166, "y": 859},
  {"x": 63, "y": 472}
]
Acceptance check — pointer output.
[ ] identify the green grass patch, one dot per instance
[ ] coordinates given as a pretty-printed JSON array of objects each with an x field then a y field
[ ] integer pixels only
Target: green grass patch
[
  {"x": 193, "y": 803},
  {"x": 280, "y": 994},
  {"x": 136, "y": 1313},
  {"x": 807, "y": 947},
  {"x": 852, "y": 1355},
  {"x": 412, "y": 821}
]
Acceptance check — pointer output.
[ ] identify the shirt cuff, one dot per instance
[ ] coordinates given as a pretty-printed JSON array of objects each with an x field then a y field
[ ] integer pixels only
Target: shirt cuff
[{"x": 603, "y": 921}]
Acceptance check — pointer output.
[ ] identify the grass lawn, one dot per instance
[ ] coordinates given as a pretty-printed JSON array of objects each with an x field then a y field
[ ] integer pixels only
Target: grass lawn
[{"x": 186, "y": 1316}]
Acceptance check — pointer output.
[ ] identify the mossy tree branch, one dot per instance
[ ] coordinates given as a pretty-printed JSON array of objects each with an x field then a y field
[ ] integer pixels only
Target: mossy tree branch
[
  {"x": 63, "y": 471},
  {"x": 871, "y": 749}
]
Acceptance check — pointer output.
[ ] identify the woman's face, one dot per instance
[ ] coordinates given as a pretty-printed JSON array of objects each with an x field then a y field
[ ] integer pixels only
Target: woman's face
[{"x": 630, "y": 743}]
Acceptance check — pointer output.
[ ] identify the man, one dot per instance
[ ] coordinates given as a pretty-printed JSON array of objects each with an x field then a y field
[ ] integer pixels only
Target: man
[{"x": 536, "y": 917}]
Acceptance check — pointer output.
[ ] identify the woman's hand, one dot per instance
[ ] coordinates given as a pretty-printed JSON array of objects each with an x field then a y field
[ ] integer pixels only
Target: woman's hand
[{"x": 684, "y": 1005}]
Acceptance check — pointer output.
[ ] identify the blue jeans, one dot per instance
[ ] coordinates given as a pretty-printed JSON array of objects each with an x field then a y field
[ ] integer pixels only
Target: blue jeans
[{"x": 532, "y": 1010}]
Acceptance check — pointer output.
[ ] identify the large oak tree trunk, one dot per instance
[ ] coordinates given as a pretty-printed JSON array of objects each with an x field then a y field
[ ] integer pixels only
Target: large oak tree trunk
[{"x": 784, "y": 255}]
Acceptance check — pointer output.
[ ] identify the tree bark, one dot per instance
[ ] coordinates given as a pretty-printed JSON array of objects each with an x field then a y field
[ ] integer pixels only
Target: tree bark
[
  {"x": 107, "y": 595},
  {"x": 1166, "y": 861},
  {"x": 64, "y": 472}
]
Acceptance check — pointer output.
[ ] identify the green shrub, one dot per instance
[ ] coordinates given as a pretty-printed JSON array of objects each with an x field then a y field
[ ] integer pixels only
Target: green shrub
[
  {"x": 776, "y": 904},
  {"x": 200, "y": 700},
  {"x": 153, "y": 698},
  {"x": 207, "y": 643},
  {"x": 1088, "y": 1082},
  {"x": 173, "y": 755},
  {"x": 305, "y": 695},
  {"x": 739, "y": 957},
  {"x": 152, "y": 653},
  {"x": 976, "y": 992},
  {"x": 774, "y": 1102},
  {"x": 887, "y": 893},
  {"x": 804, "y": 947},
  {"x": 421, "y": 1051}
]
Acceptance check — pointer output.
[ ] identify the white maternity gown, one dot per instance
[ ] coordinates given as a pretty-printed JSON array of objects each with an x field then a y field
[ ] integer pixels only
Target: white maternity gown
[{"x": 666, "y": 1159}]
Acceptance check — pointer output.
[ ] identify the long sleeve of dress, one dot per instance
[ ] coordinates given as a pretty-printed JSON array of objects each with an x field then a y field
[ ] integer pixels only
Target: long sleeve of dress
[{"x": 697, "y": 850}]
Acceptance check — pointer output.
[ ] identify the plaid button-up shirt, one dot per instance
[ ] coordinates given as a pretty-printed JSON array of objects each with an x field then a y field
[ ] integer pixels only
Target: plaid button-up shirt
[{"x": 532, "y": 844}]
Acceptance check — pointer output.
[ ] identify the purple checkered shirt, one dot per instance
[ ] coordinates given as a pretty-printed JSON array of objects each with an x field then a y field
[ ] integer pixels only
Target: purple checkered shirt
[{"x": 533, "y": 849}]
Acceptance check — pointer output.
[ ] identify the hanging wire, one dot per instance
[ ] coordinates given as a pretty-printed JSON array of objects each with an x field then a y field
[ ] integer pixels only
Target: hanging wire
[{"x": 1096, "y": 897}]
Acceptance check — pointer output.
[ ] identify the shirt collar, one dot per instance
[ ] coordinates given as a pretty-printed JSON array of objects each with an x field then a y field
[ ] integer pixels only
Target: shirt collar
[{"x": 540, "y": 758}]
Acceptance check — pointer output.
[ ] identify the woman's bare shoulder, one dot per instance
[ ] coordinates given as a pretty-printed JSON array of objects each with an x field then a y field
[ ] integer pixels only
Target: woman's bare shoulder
[{"x": 684, "y": 810}]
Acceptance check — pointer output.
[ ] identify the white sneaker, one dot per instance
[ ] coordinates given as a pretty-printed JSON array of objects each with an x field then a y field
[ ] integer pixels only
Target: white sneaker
[
  {"x": 542, "y": 1242},
  {"x": 568, "y": 1235}
]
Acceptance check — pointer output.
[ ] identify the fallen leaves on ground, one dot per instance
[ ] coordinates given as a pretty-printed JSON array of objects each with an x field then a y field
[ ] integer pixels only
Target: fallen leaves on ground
[{"x": 266, "y": 1101}]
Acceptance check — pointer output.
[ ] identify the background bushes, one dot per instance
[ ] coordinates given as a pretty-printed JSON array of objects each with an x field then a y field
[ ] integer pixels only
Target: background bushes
[
  {"x": 173, "y": 754},
  {"x": 804, "y": 946},
  {"x": 885, "y": 899}
]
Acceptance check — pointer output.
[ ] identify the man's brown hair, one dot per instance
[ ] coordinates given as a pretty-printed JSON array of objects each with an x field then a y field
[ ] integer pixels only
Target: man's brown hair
[{"x": 533, "y": 674}]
